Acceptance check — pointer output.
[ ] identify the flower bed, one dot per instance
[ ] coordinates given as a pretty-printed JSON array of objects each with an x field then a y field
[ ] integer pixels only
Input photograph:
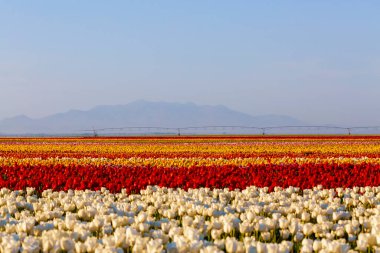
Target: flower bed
[
  {"x": 197, "y": 220},
  {"x": 190, "y": 194},
  {"x": 136, "y": 178}
]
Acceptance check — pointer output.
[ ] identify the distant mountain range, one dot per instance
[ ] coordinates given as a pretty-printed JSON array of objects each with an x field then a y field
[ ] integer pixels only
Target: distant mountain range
[{"x": 139, "y": 114}]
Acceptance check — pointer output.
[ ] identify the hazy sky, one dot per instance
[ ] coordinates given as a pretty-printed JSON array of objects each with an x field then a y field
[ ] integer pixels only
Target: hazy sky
[{"x": 318, "y": 61}]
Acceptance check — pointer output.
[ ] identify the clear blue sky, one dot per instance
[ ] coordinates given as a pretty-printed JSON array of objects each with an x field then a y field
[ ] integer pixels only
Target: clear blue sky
[{"x": 318, "y": 61}]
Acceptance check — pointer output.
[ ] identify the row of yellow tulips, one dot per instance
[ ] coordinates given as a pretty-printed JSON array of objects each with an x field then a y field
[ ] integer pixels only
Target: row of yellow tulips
[{"x": 181, "y": 162}]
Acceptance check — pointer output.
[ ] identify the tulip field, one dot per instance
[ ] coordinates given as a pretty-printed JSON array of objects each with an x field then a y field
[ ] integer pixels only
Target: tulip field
[{"x": 190, "y": 194}]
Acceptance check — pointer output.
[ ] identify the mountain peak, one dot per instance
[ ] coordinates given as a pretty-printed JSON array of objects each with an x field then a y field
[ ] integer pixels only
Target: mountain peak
[
  {"x": 140, "y": 113},
  {"x": 18, "y": 117}
]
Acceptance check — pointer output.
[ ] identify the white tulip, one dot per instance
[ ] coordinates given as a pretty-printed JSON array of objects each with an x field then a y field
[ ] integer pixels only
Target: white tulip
[
  {"x": 283, "y": 223},
  {"x": 266, "y": 236},
  {"x": 284, "y": 248},
  {"x": 175, "y": 231},
  {"x": 284, "y": 234},
  {"x": 321, "y": 219},
  {"x": 47, "y": 244},
  {"x": 220, "y": 243},
  {"x": 155, "y": 246},
  {"x": 306, "y": 248},
  {"x": 31, "y": 245},
  {"x": 251, "y": 249},
  {"x": 142, "y": 217},
  {"x": 107, "y": 229},
  {"x": 217, "y": 225},
  {"x": 195, "y": 246},
  {"x": 298, "y": 237},
  {"x": 90, "y": 244},
  {"x": 234, "y": 246},
  {"x": 307, "y": 229},
  {"x": 80, "y": 247},
  {"x": 187, "y": 221},
  {"x": 245, "y": 228},
  {"x": 305, "y": 216},
  {"x": 143, "y": 227},
  {"x": 191, "y": 234},
  {"x": 210, "y": 249},
  {"x": 70, "y": 221},
  {"x": 181, "y": 244},
  {"x": 261, "y": 226},
  {"x": 11, "y": 247},
  {"x": 165, "y": 226},
  {"x": 317, "y": 245},
  {"x": 228, "y": 227},
  {"x": 261, "y": 247},
  {"x": 216, "y": 234},
  {"x": 272, "y": 248},
  {"x": 329, "y": 236},
  {"x": 140, "y": 244},
  {"x": 339, "y": 232},
  {"x": 67, "y": 244},
  {"x": 294, "y": 227},
  {"x": 171, "y": 247}
]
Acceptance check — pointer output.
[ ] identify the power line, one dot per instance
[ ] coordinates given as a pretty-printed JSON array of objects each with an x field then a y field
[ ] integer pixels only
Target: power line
[{"x": 263, "y": 130}]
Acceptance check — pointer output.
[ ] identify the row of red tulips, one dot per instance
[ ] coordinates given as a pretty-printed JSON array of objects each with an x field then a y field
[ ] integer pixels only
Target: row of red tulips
[{"x": 135, "y": 178}]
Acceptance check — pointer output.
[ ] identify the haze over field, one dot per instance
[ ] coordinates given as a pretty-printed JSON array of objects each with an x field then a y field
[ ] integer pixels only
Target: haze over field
[
  {"x": 139, "y": 114},
  {"x": 314, "y": 61}
]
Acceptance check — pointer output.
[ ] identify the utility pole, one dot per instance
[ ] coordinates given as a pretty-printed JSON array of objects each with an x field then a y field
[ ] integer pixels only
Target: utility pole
[{"x": 95, "y": 133}]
